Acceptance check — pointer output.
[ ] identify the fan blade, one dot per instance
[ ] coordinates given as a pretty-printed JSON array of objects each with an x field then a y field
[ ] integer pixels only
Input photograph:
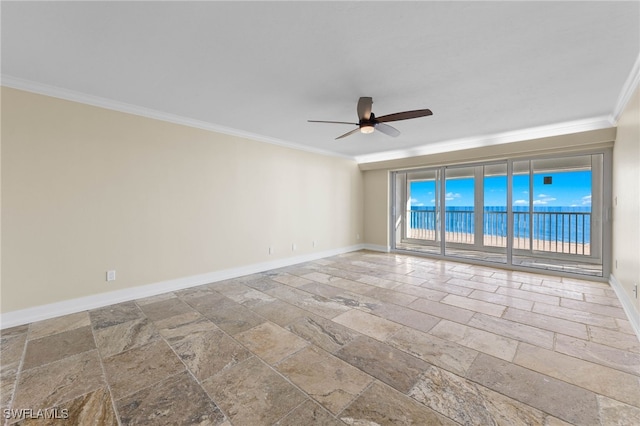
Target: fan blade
[
  {"x": 387, "y": 130},
  {"x": 357, "y": 129},
  {"x": 404, "y": 115},
  {"x": 332, "y": 122},
  {"x": 364, "y": 108}
]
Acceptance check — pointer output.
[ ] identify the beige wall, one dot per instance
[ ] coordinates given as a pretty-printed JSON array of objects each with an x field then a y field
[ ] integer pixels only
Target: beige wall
[
  {"x": 86, "y": 189},
  {"x": 376, "y": 207},
  {"x": 626, "y": 200}
]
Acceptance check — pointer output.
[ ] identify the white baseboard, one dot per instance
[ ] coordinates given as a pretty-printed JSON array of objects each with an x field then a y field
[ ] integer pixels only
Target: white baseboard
[
  {"x": 52, "y": 310},
  {"x": 627, "y": 304}
]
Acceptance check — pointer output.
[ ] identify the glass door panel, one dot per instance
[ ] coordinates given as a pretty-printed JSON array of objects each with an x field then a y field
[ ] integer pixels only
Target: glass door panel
[
  {"x": 494, "y": 221},
  {"x": 417, "y": 203},
  {"x": 460, "y": 211},
  {"x": 559, "y": 229},
  {"x": 521, "y": 200}
]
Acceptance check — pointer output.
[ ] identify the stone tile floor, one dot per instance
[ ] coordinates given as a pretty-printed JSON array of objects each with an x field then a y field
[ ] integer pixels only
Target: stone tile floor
[{"x": 362, "y": 338}]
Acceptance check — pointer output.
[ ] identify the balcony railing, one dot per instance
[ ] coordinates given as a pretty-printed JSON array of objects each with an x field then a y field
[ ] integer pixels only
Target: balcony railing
[{"x": 549, "y": 231}]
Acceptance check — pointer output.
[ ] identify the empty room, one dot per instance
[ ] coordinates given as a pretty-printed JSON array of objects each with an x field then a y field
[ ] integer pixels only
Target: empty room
[{"x": 328, "y": 213}]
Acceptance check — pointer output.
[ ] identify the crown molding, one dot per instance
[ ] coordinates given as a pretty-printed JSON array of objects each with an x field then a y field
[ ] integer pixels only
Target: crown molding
[
  {"x": 97, "y": 101},
  {"x": 630, "y": 86},
  {"x": 559, "y": 129}
]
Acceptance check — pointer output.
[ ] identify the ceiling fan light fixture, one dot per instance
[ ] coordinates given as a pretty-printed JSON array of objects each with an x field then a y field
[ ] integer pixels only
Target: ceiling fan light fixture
[{"x": 367, "y": 128}]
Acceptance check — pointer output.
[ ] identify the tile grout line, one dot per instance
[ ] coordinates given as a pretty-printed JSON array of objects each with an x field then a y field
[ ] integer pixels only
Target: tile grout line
[{"x": 104, "y": 374}]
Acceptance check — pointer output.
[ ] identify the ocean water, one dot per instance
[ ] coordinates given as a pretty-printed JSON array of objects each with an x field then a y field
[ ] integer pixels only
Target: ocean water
[{"x": 562, "y": 224}]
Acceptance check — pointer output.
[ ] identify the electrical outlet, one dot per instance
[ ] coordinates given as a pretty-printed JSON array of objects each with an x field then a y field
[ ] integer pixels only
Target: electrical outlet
[
  {"x": 357, "y": 236},
  {"x": 272, "y": 250},
  {"x": 635, "y": 290},
  {"x": 293, "y": 247},
  {"x": 111, "y": 275},
  {"x": 314, "y": 243}
]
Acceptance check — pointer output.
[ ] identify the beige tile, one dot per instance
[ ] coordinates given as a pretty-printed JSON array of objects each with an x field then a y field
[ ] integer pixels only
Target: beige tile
[
  {"x": 246, "y": 295},
  {"x": 52, "y": 326},
  {"x": 121, "y": 337},
  {"x": 319, "y": 289},
  {"x": 309, "y": 413},
  {"x": 391, "y": 296},
  {"x": 501, "y": 299},
  {"x": 553, "y": 291},
  {"x": 180, "y": 327},
  {"x": 495, "y": 281},
  {"x": 156, "y": 298},
  {"x": 401, "y": 278},
  {"x": 513, "y": 330},
  {"x": 597, "y": 378},
  {"x": 600, "y": 354},
  {"x": 351, "y": 286},
  {"x": 442, "y": 310},
  {"x": 615, "y": 339},
  {"x": 8, "y": 376},
  {"x": 594, "y": 289},
  {"x": 114, "y": 315},
  {"x": 60, "y": 381},
  {"x": 203, "y": 299},
  {"x": 206, "y": 354},
  {"x": 12, "y": 347},
  {"x": 535, "y": 389},
  {"x": 177, "y": 400},
  {"x": 624, "y": 326},
  {"x": 320, "y": 277},
  {"x": 130, "y": 371},
  {"x": 295, "y": 281},
  {"x": 443, "y": 353},
  {"x": 473, "y": 285},
  {"x": 58, "y": 346},
  {"x": 446, "y": 287},
  {"x": 617, "y": 413},
  {"x": 371, "y": 325},
  {"x": 405, "y": 316},
  {"x": 165, "y": 308},
  {"x": 281, "y": 313},
  {"x": 546, "y": 322},
  {"x": 93, "y": 408},
  {"x": 327, "y": 379},
  {"x": 575, "y": 315},
  {"x": 318, "y": 305},
  {"x": 529, "y": 295},
  {"x": 233, "y": 318},
  {"x": 271, "y": 342},
  {"x": 441, "y": 391},
  {"x": 421, "y": 292},
  {"x": 251, "y": 393},
  {"x": 607, "y": 300},
  {"x": 379, "y": 282},
  {"x": 381, "y": 405},
  {"x": 384, "y": 362},
  {"x": 474, "y": 305},
  {"x": 595, "y": 308},
  {"x": 520, "y": 277},
  {"x": 480, "y": 340},
  {"x": 322, "y": 332},
  {"x": 355, "y": 300}
]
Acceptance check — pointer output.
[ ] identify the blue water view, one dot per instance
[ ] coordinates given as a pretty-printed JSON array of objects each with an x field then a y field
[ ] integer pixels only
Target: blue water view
[{"x": 562, "y": 224}]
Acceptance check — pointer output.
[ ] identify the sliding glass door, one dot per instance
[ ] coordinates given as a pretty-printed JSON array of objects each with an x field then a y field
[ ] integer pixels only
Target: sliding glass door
[{"x": 543, "y": 213}]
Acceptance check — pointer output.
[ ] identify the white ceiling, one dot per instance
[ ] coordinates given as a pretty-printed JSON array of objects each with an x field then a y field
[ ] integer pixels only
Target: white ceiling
[{"x": 263, "y": 69}]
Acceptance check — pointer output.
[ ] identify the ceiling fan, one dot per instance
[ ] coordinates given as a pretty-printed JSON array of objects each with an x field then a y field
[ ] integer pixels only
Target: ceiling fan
[{"x": 368, "y": 122}]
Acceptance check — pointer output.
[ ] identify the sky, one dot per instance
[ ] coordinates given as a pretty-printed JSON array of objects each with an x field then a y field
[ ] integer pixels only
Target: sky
[{"x": 568, "y": 189}]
